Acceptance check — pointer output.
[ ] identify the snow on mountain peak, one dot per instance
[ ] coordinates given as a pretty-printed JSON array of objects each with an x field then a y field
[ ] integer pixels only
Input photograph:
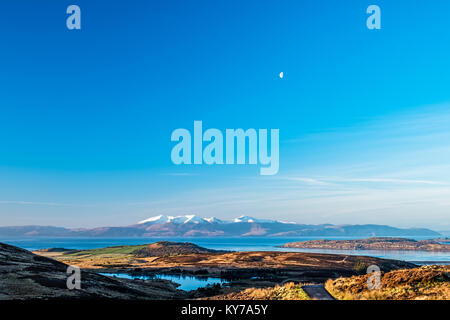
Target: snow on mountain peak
[
  {"x": 244, "y": 219},
  {"x": 160, "y": 219},
  {"x": 213, "y": 220},
  {"x": 252, "y": 220},
  {"x": 156, "y": 219},
  {"x": 191, "y": 218}
]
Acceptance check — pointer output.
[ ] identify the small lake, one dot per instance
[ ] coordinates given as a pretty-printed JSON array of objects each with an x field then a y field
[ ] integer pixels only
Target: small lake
[{"x": 186, "y": 283}]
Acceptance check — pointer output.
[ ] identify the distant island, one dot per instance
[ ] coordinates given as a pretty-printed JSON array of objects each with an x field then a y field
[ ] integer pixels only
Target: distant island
[
  {"x": 193, "y": 226},
  {"x": 376, "y": 243}
]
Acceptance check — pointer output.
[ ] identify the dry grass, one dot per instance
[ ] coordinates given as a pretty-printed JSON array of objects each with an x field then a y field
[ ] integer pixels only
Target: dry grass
[
  {"x": 288, "y": 291},
  {"x": 424, "y": 283}
]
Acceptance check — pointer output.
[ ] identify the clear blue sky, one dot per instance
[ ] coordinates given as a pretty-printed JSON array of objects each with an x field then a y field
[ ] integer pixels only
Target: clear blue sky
[{"x": 86, "y": 116}]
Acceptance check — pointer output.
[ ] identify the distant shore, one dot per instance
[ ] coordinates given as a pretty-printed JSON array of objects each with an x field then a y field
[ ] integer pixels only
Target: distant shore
[{"x": 376, "y": 243}]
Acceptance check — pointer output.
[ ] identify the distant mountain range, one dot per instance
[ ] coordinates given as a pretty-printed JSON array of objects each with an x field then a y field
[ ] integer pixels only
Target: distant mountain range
[{"x": 163, "y": 226}]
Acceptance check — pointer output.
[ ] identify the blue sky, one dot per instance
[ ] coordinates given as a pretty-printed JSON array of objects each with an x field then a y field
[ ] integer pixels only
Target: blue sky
[{"x": 86, "y": 115}]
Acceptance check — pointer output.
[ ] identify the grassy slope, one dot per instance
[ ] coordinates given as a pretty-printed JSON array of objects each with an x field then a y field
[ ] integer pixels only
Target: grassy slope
[{"x": 119, "y": 250}]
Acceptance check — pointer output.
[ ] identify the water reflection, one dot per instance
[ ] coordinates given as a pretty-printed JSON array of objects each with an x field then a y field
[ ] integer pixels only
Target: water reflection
[{"x": 186, "y": 283}]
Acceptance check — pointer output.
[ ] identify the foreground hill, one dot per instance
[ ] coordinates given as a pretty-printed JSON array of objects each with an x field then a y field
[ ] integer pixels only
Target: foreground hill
[
  {"x": 24, "y": 275},
  {"x": 193, "y": 226},
  {"x": 379, "y": 243},
  {"x": 424, "y": 283}
]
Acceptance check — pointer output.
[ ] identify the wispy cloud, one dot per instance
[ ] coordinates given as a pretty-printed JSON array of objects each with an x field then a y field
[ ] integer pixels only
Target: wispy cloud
[
  {"x": 391, "y": 180},
  {"x": 180, "y": 174},
  {"x": 310, "y": 181},
  {"x": 37, "y": 203},
  {"x": 334, "y": 180},
  {"x": 394, "y": 172}
]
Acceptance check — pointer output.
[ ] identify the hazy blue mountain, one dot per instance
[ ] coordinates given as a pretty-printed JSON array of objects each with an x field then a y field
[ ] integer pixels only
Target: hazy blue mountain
[{"x": 194, "y": 226}]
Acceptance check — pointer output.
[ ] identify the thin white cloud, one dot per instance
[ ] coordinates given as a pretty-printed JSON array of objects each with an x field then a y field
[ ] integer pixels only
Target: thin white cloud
[
  {"x": 333, "y": 180},
  {"x": 392, "y": 180},
  {"x": 34, "y": 203},
  {"x": 311, "y": 181}
]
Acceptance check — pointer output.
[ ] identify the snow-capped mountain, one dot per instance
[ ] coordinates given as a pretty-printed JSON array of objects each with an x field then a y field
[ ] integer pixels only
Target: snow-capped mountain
[
  {"x": 161, "y": 219},
  {"x": 214, "y": 220},
  {"x": 156, "y": 219},
  {"x": 254, "y": 220}
]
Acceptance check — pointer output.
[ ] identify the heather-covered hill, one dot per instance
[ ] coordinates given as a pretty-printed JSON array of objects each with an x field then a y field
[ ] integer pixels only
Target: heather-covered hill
[{"x": 167, "y": 248}]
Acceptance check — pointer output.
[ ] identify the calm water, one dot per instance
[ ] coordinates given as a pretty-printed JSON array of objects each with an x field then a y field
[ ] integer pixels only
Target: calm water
[
  {"x": 235, "y": 244},
  {"x": 186, "y": 283}
]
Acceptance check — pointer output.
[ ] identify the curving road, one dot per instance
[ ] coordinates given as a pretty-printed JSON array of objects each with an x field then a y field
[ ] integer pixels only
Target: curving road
[{"x": 317, "y": 292}]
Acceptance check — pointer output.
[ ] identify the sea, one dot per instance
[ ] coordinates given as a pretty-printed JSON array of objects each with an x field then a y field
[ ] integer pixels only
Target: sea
[{"x": 232, "y": 244}]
